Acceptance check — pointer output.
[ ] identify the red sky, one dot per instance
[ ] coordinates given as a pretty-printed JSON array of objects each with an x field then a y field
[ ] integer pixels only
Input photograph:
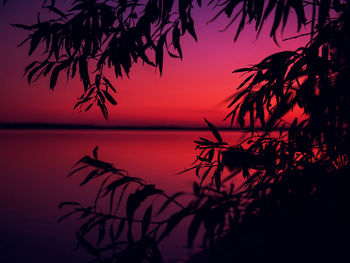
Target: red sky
[{"x": 188, "y": 91}]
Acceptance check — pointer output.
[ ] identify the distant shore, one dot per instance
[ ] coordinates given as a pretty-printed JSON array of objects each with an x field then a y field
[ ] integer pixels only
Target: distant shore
[{"x": 60, "y": 126}]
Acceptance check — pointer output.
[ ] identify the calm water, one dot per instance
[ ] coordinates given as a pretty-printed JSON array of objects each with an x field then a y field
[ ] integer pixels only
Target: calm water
[{"x": 34, "y": 167}]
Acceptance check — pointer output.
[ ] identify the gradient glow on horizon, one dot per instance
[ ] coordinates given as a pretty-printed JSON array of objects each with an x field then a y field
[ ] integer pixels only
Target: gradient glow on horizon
[{"x": 188, "y": 91}]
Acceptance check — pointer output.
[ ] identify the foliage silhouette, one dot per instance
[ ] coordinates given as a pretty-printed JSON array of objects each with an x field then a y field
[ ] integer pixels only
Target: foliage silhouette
[
  {"x": 293, "y": 204},
  {"x": 93, "y": 35}
]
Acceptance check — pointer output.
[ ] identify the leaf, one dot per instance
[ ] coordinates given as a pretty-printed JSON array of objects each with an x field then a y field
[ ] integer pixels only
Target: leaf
[
  {"x": 176, "y": 38},
  {"x": 214, "y": 131},
  {"x": 88, "y": 107},
  {"x": 74, "y": 67},
  {"x": 190, "y": 25},
  {"x": 88, "y": 95},
  {"x": 286, "y": 14},
  {"x": 267, "y": 11},
  {"x": 89, "y": 177},
  {"x": 25, "y": 27},
  {"x": 121, "y": 195},
  {"x": 230, "y": 7},
  {"x": 299, "y": 10},
  {"x": 54, "y": 75},
  {"x": 134, "y": 201},
  {"x": 100, "y": 95},
  {"x": 205, "y": 174},
  {"x": 83, "y": 72},
  {"x": 146, "y": 220},
  {"x": 48, "y": 68},
  {"x": 101, "y": 233},
  {"x": 172, "y": 55},
  {"x": 35, "y": 40},
  {"x": 57, "y": 11},
  {"x": 33, "y": 72},
  {"x": 100, "y": 189},
  {"x": 95, "y": 152},
  {"x": 159, "y": 52},
  {"x": 193, "y": 229},
  {"x": 103, "y": 110},
  {"x": 27, "y": 68},
  {"x": 217, "y": 178},
  {"x": 120, "y": 229},
  {"x": 109, "y": 84},
  {"x": 76, "y": 170},
  {"x": 183, "y": 4},
  {"x": 65, "y": 216},
  {"x": 68, "y": 203},
  {"x": 111, "y": 233},
  {"x": 260, "y": 111},
  {"x": 109, "y": 97},
  {"x": 86, "y": 212},
  {"x": 241, "y": 119},
  {"x": 210, "y": 154},
  {"x": 115, "y": 184},
  {"x": 277, "y": 19},
  {"x": 258, "y": 9},
  {"x": 98, "y": 81}
]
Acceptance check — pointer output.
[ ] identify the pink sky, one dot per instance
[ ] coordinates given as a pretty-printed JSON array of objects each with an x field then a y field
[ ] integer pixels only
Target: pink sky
[{"x": 188, "y": 91}]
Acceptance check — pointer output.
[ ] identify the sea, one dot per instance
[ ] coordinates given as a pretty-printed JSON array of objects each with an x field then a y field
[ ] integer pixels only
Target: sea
[{"x": 34, "y": 165}]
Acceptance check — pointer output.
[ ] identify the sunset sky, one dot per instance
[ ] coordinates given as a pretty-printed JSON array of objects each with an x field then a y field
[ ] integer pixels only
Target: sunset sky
[{"x": 188, "y": 91}]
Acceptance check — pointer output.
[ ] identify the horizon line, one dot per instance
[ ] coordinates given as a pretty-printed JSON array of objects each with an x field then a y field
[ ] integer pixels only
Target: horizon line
[{"x": 66, "y": 126}]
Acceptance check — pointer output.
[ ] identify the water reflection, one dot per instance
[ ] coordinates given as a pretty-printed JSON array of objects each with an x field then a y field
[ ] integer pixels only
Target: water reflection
[{"x": 34, "y": 165}]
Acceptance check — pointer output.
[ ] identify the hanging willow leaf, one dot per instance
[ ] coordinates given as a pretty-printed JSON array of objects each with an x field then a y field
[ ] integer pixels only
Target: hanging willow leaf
[
  {"x": 159, "y": 52},
  {"x": 120, "y": 229},
  {"x": 115, "y": 184},
  {"x": 109, "y": 97},
  {"x": 146, "y": 220},
  {"x": 193, "y": 229},
  {"x": 214, "y": 131},
  {"x": 89, "y": 177},
  {"x": 109, "y": 84},
  {"x": 190, "y": 25},
  {"x": 135, "y": 199},
  {"x": 54, "y": 75},
  {"x": 176, "y": 39}
]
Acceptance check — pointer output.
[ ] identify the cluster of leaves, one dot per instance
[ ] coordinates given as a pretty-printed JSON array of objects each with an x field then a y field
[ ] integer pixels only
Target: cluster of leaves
[
  {"x": 258, "y": 11},
  {"x": 93, "y": 34},
  {"x": 111, "y": 228},
  {"x": 97, "y": 93},
  {"x": 312, "y": 78},
  {"x": 295, "y": 177},
  {"x": 90, "y": 34},
  {"x": 209, "y": 157},
  {"x": 112, "y": 233}
]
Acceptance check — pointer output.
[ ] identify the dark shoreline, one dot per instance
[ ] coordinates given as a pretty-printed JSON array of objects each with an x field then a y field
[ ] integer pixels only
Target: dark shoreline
[{"x": 57, "y": 126}]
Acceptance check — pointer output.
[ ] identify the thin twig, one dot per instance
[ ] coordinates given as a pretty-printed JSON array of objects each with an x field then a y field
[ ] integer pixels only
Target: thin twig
[{"x": 302, "y": 35}]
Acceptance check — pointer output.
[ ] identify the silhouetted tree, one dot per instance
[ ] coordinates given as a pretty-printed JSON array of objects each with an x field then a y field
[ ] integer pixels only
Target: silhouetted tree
[{"x": 293, "y": 204}]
